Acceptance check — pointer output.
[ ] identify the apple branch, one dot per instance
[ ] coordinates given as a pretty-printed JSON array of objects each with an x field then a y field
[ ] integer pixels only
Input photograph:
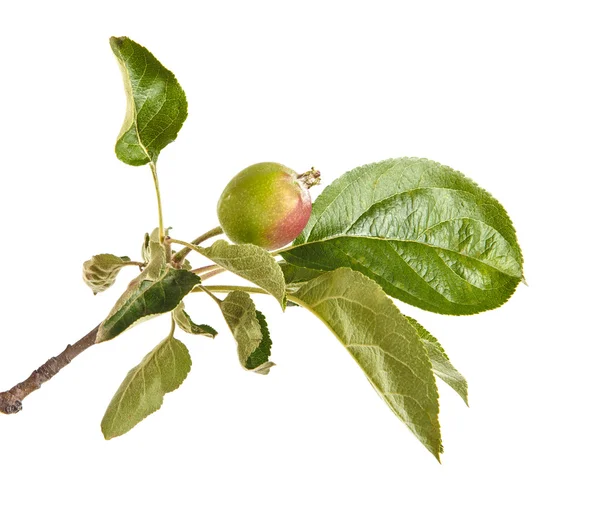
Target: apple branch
[{"x": 11, "y": 400}]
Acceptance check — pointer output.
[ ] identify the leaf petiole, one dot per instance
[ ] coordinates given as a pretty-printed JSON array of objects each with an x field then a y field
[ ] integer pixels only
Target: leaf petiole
[
  {"x": 210, "y": 274},
  {"x": 178, "y": 258},
  {"x": 161, "y": 227},
  {"x": 207, "y": 291},
  {"x": 243, "y": 288},
  {"x": 134, "y": 263},
  {"x": 283, "y": 249},
  {"x": 189, "y": 246},
  {"x": 206, "y": 269}
]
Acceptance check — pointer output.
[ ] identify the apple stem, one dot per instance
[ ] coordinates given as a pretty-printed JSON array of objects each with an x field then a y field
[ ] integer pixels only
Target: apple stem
[{"x": 10, "y": 400}]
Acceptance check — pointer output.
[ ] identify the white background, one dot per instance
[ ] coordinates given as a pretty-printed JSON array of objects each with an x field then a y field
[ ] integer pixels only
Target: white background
[{"x": 506, "y": 92}]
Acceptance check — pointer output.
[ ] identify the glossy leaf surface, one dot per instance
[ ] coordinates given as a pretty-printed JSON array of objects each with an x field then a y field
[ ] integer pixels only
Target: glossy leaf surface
[
  {"x": 145, "y": 298},
  {"x": 427, "y": 234},
  {"x": 156, "y": 104}
]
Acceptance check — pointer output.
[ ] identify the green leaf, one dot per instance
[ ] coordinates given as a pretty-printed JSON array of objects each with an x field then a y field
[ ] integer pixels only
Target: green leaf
[
  {"x": 258, "y": 361},
  {"x": 156, "y": 104},
  {"x": 250, "y": 331},
  {"x": 141, "y": 393},
  {"x": 440, "y": 362},
  {"x": 384, "y": 345},
  {"x": 427, "y": 234},
  {"x": 101, "y": 270},
  {"x": 146, "y": 298},
  {"x": 252, "y": 263},
  {"x": 146, "y": 248},
  {"x": 295, "y": 275},
  {"x": 185, "y": 323},
  {"x": 154, "y": 254}
]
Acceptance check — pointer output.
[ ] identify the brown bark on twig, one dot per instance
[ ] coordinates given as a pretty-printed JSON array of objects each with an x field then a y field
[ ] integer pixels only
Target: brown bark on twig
[{"x": 11, "y": 400}]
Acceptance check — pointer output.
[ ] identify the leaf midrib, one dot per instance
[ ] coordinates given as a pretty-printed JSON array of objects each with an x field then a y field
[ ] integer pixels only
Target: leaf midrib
[
  {"x": 135, "y": 109},
  {"x": 141, "y": 368},
  {"x": 339, "y": 194},
  {"x": 135, "y": 298},
  {"x": 378, "y": 238}
]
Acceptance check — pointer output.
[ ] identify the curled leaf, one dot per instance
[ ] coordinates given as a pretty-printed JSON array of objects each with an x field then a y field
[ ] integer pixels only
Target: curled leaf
[
  {"x": 101, "y": 270},
  {"x": 185, "y": 323},
  {"x": 249, "y": 328}
]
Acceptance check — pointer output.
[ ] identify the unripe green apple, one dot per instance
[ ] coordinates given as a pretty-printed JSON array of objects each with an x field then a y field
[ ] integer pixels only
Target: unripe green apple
[{"x": 266, "y": 204}]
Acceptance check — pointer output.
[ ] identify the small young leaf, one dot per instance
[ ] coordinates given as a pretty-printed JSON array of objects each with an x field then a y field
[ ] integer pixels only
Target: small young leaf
[
  {"x": 155, "y": 257},
  {"x": 440, "y": 362},
  {"x": 185, "y": 323},
  {"x": 251, "y": 263},
  {"x": 250, "y": 331},
  {"x": 156, "y": 104},
  {"x": 384, "y": 345},
  {"x": 146, "y": 248},
  {"x": 145, "y": 298},
  {"x": 101, "y": 270},
  {"x": 427, "y": 234},
  {"x": 141, "y": 393}
]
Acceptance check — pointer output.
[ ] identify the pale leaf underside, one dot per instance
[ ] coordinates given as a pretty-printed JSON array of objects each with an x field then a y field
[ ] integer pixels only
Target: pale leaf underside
[
  {"x": 383, "y": 344},
  {"x": 440, "y": 361},
  {"x": 100, "y": 271},
  {"x": 250, "y": 331},
  {"x": 162, "y": 370},
  {"x": 186, "y": 324},
  {"x": 251, "y": 263}
]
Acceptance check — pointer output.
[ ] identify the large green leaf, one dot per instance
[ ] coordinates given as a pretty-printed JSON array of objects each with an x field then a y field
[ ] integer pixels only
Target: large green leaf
[
  {"x": 383, "y": 343},
  {"x": 100, "y": 271},
  {"x": 252, "y": 263},
  {"x": 250, "y": 331},
  {"x": 440, "y": 361},
  {"x": 427, "y": 234},
  {"x": 156, "y": 104},
  {"x": 141, "y": 393},
  {"x": 145, "y": 298}
]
